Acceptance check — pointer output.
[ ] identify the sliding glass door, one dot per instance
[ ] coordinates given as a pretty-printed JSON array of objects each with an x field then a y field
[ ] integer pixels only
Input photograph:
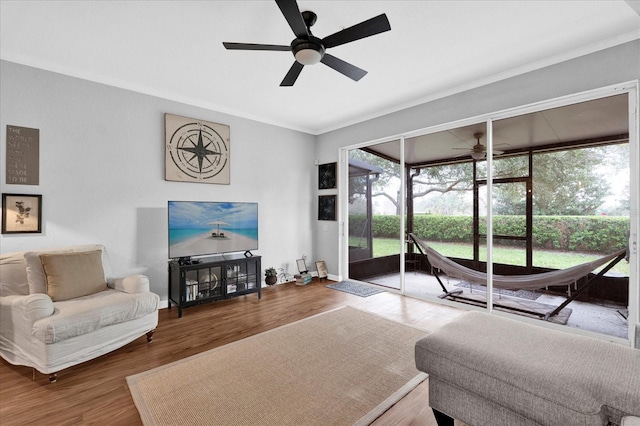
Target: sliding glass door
[
  {"x": 494, "y": 213},
  {"x": 578, "y": 170}
]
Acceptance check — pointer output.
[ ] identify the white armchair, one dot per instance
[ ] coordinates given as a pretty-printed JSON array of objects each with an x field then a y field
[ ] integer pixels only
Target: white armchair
[{"x": 58, "y": 309}]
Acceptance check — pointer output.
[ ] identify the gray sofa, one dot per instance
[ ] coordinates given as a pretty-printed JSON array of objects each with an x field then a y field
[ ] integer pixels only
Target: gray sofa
[{"x": 489, "y": 370}]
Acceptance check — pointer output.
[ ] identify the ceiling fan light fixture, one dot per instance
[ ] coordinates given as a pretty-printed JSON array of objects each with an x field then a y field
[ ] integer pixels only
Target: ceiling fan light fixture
[
  {"x": 308, "y": 52},
  {"x": 308, "y": 56},
  {"x": 478, "y": 152}
]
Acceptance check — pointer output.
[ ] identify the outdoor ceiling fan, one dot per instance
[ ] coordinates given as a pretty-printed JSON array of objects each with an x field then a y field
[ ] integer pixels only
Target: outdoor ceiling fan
[
  {"x": 479, "y": 151},
  {"x": 309, "y": 50}
]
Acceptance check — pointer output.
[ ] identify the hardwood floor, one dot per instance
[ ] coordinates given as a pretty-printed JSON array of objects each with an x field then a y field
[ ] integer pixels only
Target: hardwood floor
[{"x": 95, "y": 392}]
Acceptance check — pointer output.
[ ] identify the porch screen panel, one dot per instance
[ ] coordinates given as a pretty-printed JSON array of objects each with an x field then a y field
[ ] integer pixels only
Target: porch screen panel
[
  {"x": 580, "y": 178},
  {"x": 374, "y": 221}
]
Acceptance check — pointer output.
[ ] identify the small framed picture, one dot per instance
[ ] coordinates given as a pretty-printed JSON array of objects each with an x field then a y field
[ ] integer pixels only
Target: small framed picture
[
  {"x": 322, "y": 269},
  {"x": 327, "y": 176},
  {"x": 21, "y": 213},
  {"x": 302, "y": 266},
  {"x": 327, "y": 207}
]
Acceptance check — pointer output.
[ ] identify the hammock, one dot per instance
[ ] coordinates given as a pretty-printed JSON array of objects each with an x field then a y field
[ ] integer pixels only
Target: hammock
[{"x": 519, "y": 282}]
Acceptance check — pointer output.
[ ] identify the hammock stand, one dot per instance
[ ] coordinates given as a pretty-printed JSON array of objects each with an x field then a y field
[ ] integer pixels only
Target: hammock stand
[{"x": 530, "y": 282}]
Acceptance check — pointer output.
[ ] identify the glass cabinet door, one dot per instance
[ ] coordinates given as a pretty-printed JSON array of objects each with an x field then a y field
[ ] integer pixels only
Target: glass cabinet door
[
  {"x": 241, "y": 276},
  {"x": 203, "y": 283}
]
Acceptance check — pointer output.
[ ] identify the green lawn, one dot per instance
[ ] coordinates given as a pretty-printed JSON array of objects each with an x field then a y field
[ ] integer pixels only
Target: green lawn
[{"x": 501, "y": 254}]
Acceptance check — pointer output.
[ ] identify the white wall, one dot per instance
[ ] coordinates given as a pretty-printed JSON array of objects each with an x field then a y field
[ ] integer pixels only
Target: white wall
[{"x": 102, "y": 172}]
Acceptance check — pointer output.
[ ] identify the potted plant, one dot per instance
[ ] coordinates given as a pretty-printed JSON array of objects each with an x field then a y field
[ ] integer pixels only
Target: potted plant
[{"x": 270, "y": 276}]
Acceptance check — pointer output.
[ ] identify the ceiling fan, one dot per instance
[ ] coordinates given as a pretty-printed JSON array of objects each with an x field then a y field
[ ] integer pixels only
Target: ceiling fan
[
  {"x": 308, "y": 49},
  {"x": 479, "y": 151}
]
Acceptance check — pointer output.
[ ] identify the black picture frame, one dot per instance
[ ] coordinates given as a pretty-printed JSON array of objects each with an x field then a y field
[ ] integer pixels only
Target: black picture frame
[
  {"x": 21, "y": 213},
  {"x": 302, "y": 266},
  {"x": 327, "y": 207},
  {"x": 327, "y": 176}
]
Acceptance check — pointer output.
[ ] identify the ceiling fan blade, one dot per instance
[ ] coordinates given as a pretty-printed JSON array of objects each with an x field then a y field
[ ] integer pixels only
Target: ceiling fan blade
[
  {"x": 253, "y": 46},
  {"x": 291, "y": 12},
  {"x": 293, "y": 74},
  {"x": 464, "y": 154},
  {"x": 373, "y": 26},
  {"x": 343, "y": 67}
]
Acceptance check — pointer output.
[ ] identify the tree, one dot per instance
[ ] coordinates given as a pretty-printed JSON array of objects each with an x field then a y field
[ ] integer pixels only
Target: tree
[
  {"x": 569, "y": 182},
  {"x": 442, "y": 179},
  {"x": 388, "y": 183}
]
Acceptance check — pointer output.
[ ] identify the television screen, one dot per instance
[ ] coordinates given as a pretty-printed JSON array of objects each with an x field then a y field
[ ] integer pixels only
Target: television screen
[{"x": 198, "y": 228}]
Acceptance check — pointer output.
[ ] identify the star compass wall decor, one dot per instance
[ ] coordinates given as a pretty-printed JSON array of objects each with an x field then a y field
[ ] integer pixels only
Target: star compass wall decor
[{"x": 196, "y": 150}]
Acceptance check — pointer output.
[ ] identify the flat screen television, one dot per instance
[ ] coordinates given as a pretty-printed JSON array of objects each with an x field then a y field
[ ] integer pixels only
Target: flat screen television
[{"x": 201, "y": 228}]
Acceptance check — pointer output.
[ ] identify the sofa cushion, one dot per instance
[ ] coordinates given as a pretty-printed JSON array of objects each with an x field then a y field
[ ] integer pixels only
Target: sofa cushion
[
  {"x": 35, "y": 274},
  {"x": 71, "y": 275},
  {"x": 549, "y": 376},
  {"x": 85, "y": 314},
  {"x": 13, "y": 274}
]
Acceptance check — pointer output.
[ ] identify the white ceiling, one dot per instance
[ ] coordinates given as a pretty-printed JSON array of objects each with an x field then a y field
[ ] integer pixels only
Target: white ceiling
[{"x": 173, "y": 49}]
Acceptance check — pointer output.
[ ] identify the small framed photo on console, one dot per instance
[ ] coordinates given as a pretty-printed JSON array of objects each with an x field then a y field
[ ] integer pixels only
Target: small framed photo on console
[
  {"x": 302, "y": 266},
  {"x": 322, "y": 270}
]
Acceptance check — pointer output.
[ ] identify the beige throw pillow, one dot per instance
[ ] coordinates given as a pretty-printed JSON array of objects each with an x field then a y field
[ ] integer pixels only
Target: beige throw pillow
[
  {"x": 71, "y": 275},
  {"x": 35, "y": 274}
]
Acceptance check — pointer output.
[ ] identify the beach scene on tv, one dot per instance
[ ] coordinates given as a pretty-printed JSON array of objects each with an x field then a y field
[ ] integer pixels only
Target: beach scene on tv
[{"x": 201, "y": 228}]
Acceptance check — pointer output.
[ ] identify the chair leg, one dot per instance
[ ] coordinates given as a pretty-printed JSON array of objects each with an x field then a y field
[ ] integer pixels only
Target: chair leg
[
  {"x": 53, "y": 377},
  {"x": 150, "y": 336},
  {"x": 442, "y": 419}
]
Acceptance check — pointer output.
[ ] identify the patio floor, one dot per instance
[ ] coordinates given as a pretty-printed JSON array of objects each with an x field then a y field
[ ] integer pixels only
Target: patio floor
[{"x": 600, "y": 317}]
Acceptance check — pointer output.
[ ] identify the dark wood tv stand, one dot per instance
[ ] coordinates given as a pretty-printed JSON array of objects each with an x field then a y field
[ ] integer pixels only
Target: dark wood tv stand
[{"x": 213, "y": 278}]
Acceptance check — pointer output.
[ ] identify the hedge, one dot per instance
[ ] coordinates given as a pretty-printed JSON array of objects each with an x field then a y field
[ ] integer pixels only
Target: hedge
[{"x": 588, "y": 234}]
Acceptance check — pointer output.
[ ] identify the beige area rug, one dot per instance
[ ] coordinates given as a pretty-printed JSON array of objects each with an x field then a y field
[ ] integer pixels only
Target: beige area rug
[{"x": 341, "y": 367}]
